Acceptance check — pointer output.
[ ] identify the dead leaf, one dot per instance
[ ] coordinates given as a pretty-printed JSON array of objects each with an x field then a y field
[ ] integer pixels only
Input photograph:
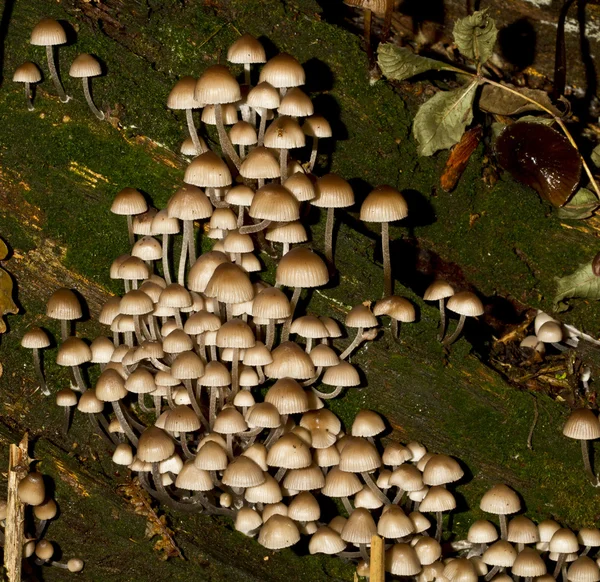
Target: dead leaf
[
  {"x": 496, "y": 100},
  {"x": 459, "y": 158}
]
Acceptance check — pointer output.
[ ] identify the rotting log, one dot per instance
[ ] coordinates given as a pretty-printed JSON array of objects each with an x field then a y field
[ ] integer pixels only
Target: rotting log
[{"x": 60, "y": 169}]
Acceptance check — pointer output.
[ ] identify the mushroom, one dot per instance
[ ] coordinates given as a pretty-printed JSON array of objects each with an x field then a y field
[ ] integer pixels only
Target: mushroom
[
  {"x": 36, "y": 339},
  {"x": 384, "y": 204},
  {"x": 438, "y": 291},
  {"x": 28, "y": 73},
  {"x": 583, "y": 425},
  {"x": 84, "y": 67},
  {"x": 49, "y": 33},
  {"x": 380, "y": 8},
  {"x": 246, "y": 51},
  {"x": 466, "y": 304},
  {"x": 182, "y": 97}
]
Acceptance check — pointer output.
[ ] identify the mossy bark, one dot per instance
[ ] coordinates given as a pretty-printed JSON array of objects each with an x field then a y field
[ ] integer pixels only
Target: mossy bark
[{"x": 61, "y": 167}]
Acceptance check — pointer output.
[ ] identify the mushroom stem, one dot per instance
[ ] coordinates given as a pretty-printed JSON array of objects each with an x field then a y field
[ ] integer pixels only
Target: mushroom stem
[
  {"x": 28, "y": 96},
  {"x": 67, "y": 423},
  {"x": 285, "y": 334},
  {"x": 184, "y": 445},
  {"x": 399, "y": 496},
  {"x": 347, "y": 505},
  {"x": 492, "y": 573},
  {"x": 142, "y": 403},
  {"x": 188, "y": 238},
  {"x": 451, "y": 339},
  {"x": 212, "y": 410},
  {"x": 283, "y": 159},
  {"x": 373, "y": 487},
  {"x": 247, "y": 74},
  {"x": 64, "y": 98},
  {"x": 585, "y": 453},
  {"x": 313, "y": 154},
  {"x": 270, "y": 334},
  {"x": 368, "y": 17},
  {"x": 235, "y": 376},
  {"x": 255, "y": 227},
  {"x": 263, "y": 124},
  {"x": 388, "y": 284},
  {"x": 88, "y": 97},
  {"x": 358, "y": 339},
  {"x": 37, "y": 363},
  {"x": 182, "y": 259},
  {"x": 329, "y": 237},
  {"x": 442, "y": 330},
  {"x": 330, "y": 395},
  {"x": 387, "y": 20},
  {"x": 559, "y": 564},
  {"x": 364, "y": 554},
  {"x": 438, "y": 529},
  {"x": 79, "y": 382},
  {"x": 124, "y": 423},
  {"x": 131, "y": 235},
  {"x": 280, "y": 473},
  {"x": 226, "y": 145},
  {"x": 65, "y": 329},
  {"x": 165, "y": 259},
  {"x": 503, "y": 528},
  {"x": 189, "y": 116}
]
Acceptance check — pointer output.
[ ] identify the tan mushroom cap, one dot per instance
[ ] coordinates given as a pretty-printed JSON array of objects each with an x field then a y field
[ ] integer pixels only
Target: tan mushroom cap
[
  {"x": 211, "y": 457},
  {"x": 358, "y": 456},
  {"x": 48, "y": 32},
  {"x": 286, "y": 133},
  {"x": 31, "y": 489},
  {"x": 287, "y": 232},
  {"x": 550, "y": 332},
  {"x": 235, "y": 333},
  {"x": 361, "y": 316},
  {"x": 589, "y": 536},
  {"x": 155, "y": 445},
  {"x": 383, "y": 204},
  {"x": 501, "y": 553},
  {"x": 274, "y": 202},
  {"x": 441, "y": 469},
  {"x": 35, "y": 338},
  {"x": 271, "y": 303},
  {"x": 317, "y": 126},
  {"x": 243, "y": 472},
  {"x": 359, "y": 528},
  {"x": 332, "y": 191},
  {"x": 304, "y": 507},
  {"x": 583, "y": 569},
  {"x": 260, "y": 163},
  {"x": 564, "y": 541},
  {"x": 396, "y": 454},
  {"x": 246, "y": 50},
  {"x": 182, "y": 97},
  {"x": 342, "y": 374},
  {"x": 500, "y": 500},
  {"x": 189, "y": 203},
  {"x": 278, "y": 532},
  {"x": 439, "y": 289},
  {"x": 582, "y": 424},
  {"x": 85, "y": 65},
  {"x": 229, "y": 114},
  {"x": 394, "y": 523},
  {"x": 289, "y": 452},
  {"x": 267, "y": 492},
  {"x": 230, "y": 284},
  {"x": 529, "y": 563},
  {"x": 521, "y": 530},
  {"x": 243, "y": 133},
  {"x": 465, "y": 303},
  {"x": 28, "y": 72},
  {"x": 290, "y": 361},
  {"x": 208, "y": 170},
  {"x": 309, "y": 326},
  {"x": 437, "y": 499},
  {"x": 283, "y": 70},
  {"x": 482, "y": 531},
  {"x": 203, "y": 269},
  {"x": 239, "y": 195},
  {"x": 300, "y": 267},
  {"x": 301, "y": 186},
  {"x": 193, "y": 479},
  {"x": 326, "y": 541},
  {"x": 63, "y": 304},
  {"x": 129, "y": 201},
  {"x": 296, "y": 103},
  {"x": 367, "y": 424},
  {"x": 263, "y": 96},
  {"x": 324, "y": 356},
  {"x": 402, "y": 560},
  {"x": 217, "y": 85},
  {"x": 396, "y": 307}
]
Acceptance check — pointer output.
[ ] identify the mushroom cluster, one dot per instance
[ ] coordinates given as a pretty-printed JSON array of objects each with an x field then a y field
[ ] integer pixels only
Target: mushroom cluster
[
  {"x": 32, "y": 493},
  {"x": 50, "y": 33}
]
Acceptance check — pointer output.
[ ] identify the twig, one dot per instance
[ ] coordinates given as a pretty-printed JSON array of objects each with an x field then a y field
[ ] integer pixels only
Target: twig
[
  {"x": 18, "y": 467},
  {"x": 536, "y": 415},
  {"x": 377, "y": 564}
]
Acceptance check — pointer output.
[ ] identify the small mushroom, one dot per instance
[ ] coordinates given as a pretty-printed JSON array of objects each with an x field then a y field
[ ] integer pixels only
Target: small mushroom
[
  {"x": 466, "y": 304},
  {"x": 49, "y": 33},
  {"x": 37, "y": 339},
  {"x": 584, "y": 426},
  {"x": 541, "y": 158},
  {"x": 84, "y": 67},
  {"x": 28, "y": 73}
]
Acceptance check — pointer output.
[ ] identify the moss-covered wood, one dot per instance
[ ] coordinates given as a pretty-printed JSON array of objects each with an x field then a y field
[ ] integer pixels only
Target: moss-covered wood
[{"x": 60, "y": 168}]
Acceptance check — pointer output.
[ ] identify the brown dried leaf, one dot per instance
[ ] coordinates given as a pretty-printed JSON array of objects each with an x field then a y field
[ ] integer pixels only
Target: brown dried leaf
[
  {"x": 496, "y": 100},
  {"x": 459, "y": 158}
]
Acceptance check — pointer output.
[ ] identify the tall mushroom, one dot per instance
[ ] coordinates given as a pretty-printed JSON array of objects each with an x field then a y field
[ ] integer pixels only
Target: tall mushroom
[
  {"x": 466, "y": 304},
  {"x": 49, "y": 33},
  {"x": 246, "y": 51},
  {"x": 28, "y": 73},
  {"x": 384, "y": 204},
  {"x": 182, "y": 97},
  {"x": 584, "y": 426},
  {"x": 84, "y": 67}
]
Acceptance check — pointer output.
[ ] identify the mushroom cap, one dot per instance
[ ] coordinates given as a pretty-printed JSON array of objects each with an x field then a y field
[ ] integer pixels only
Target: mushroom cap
[
  {"x": 289, "y": 361},
  {"x": 239, "y": 195},
  {"x": 48, "y": 32},
  {"x": 439, "y": 289},
  {"x": 529, "y": 563},
  {"x": 128, "y": 202},
  {"x": 482, "y": 532},
  {"x": 359, "y": 528},
  {"x": 235, "y": 333},
  {"x": 407, "y": 477},
  {"x": 317, "y": 126},
  {"x": 85, "y": 65},
  {"x": 229, "y": 114},
  {"x": 189, "y": 203},
  {"x": 339, "y": 483},
  {"x": 583, "y": 569},
  {"x": 182, "y": 96},
  {"x": 243, "y": 472},
  {"x": 203, "y": 269},
  {"x": 326, "y": 541},
  {"x": 155, "y": 445},
  {"x": 63, "y": 304},
  {"x": 309, "y": 326},
  {"x": 394, "y": 523},
  {"x": 359, "y": 456},
  {"x": 301, "y": 267},
  {"x": 437, "y": 499},
  {"x": 246, "y": 50},
  {"x": 35, "y": 337},
  {"x": 263, "y": 96},
  {"x": 367, "y": 424},
  {"x": 361, "y": 316},
  {"x": 289, "y": 452},
  {"x": 31, "y": 489},
  {"x": 208, "y": 170},
  {"x": 284, "y": 133},
  {"x": 465, "y": 303},
  {"x": 287, "y": 232},
  {"x": 500, "y": 500},
  {"x": 396, "y": 307},
  {"x": 278, "y": 532},
  {"x": 283, "y": 70},
  {"x": 521, "y": 530},
  {"x": 441, "y": 469},
  {"x": 542, "y": 158},
  {"x": 73, "y": 352},
  {"x": 501, "y": 554},
  {"x": 342, "y": 374},
  {"x": 230, "y": 284},
  {"x": 192, "y": 478},
  {"x": 217, "y": 85},
  {"x": 296, "y": 103},
  {"x": 260, "y": 163},
  {"x": 582, "y": 424},
  {"x": 28, "y": 72},
  {"x": 564, "y": 541},
  {"x": 550, "y": 332},
  {"x": 301, "y": 186},
  {"x": 332, "y": 191},
  {"x": 276, "y": 203},
  {"x": 383, "y": 204},
  {"x": 243, "y": 133}
]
